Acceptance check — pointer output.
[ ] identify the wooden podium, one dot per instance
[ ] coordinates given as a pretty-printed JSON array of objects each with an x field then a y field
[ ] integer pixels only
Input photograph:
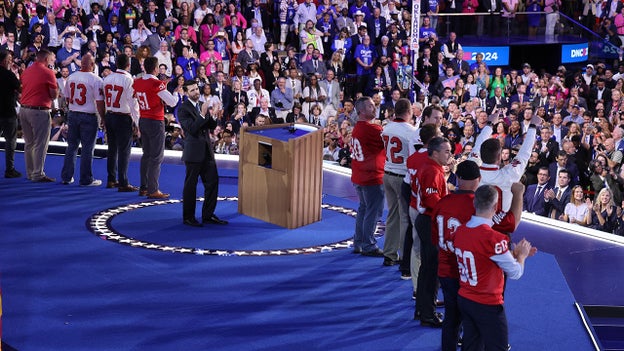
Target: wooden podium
[{"x": 280, "y": 174}]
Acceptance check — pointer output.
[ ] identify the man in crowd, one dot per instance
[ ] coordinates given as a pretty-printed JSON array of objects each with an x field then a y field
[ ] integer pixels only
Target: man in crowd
[
  {"x": 122, "y": 111},
  {"x": 85, "y": 99}
]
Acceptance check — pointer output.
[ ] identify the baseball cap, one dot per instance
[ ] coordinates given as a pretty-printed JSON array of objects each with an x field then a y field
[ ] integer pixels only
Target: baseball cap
[
  {"x": 590, "y": 66},
  {"x": 526, "y": 65},
  {"x": 467, "y": 170}
]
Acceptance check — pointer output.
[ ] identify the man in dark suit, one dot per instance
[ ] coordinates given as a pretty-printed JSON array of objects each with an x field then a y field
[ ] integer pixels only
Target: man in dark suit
[
  {"x": 315, "y": 66},
  {"x": 520, "y": 96},
  {"x": 599, "y": 93},
  {"x": 562, "y": 164},
  {"x": 264, "y": 110},
  {"x": 376, "y": 25},
  {"x": 223, "y": 92},
  {"x": 198, "y": 156},
  {"x": 547, "y": 147},
  {"x": 497, "y": 101},
  {"x": 460, "y": 66},
  {"x": 259, "y": 13},
  {"x": 557, "y": 198},
  {"x": 153, "y": 18},
  {"x": 534, "y": 201}
]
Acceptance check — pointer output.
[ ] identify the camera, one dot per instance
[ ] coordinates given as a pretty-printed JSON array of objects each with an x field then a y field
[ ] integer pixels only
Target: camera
[{"x": 279, "y": 104}]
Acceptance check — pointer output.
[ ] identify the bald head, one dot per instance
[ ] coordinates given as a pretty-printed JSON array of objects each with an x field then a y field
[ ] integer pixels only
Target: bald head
[{"x": 87, "y": 63}]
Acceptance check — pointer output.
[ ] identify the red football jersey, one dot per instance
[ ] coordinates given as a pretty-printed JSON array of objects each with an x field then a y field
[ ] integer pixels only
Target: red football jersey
[
  {"x": 430, "y": 186},
  {"x": 480, "y": 278},
  {"x": 452, "y": 211},
  {"x": 367, "y": 154},
  {"x": 146, "y": 91},
  {"x": 414, "y": 161}
]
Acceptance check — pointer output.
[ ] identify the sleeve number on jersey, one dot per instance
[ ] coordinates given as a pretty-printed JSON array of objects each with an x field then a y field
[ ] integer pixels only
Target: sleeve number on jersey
[
  {"x": 81, "y": 99},
  {"x": 394, "y": 147},
  {"x": 356, "y": 150},
  {"x": 451, "y": 225},
  {"x": 467, "y": 267},
  {"x": 109, "y": 91},
  {"x": 142, "y": 98}
]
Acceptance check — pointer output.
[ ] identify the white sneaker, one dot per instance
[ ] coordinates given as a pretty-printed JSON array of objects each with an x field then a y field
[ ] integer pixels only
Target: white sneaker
[
  {"x": 95, "y": 182},
  {"x": 64, "y": 182}
]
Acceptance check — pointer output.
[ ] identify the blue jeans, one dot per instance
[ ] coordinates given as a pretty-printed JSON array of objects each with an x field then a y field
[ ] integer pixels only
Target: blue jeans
[
  {"x": 371, "y": 205},
  {"x": 119, "y": 138},
  {"x": 82, "y": 130}
]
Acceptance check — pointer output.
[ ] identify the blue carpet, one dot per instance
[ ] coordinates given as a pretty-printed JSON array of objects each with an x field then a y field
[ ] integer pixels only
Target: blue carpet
[{"x": 66, "y": 289}]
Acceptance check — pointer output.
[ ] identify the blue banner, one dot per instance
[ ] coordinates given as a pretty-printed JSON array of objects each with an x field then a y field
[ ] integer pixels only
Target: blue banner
[
  {"x": 571, "y": 53},
  {"x": 492, "y": 55}
]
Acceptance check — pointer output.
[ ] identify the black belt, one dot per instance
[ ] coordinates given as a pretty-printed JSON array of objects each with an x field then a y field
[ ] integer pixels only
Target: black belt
[
  {"x": 40, "y": 108},
  {"x": 118, "y": 113},
  {"x": 394, "y": 174}
]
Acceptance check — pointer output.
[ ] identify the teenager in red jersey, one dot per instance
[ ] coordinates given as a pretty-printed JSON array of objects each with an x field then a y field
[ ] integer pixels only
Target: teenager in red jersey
[
  {"x": 367, "y": 170},
  {"x": 482, "y": 256},
  {"x": 152, "y": 95}
]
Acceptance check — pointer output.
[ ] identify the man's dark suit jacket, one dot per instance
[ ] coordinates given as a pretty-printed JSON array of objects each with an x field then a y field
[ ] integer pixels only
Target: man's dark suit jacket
[
  {"x": 226, "y": 98},
  {"x": 196, "y": 131},
  {"x": 550, "y": 156},
  {"x": 558, "y": 205},
  {"x": 256, "y": 111},
  {"x": 534, "y": 203},
  {"x": 573, "y": 172}
]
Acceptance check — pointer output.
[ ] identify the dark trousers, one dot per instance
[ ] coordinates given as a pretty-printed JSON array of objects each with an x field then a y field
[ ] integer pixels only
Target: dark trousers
[
  {"x": 428, "y": 272},
  {"x": 404, "y": 267},
  {"x": 485, "y": 326},
  {"x": 207, "y": 170},
  {"x": 8, "y": 128},
  {"x": 153, "y": 142},
  {"x": 452, "y": 316},
  {"x": 119, "y": 138}
]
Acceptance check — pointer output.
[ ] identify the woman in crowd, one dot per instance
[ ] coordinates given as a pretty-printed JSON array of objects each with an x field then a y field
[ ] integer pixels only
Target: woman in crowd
[
  {"x": 296, "y": 114},
  {"x": 207, "y": 32},
  {"x": 238, "y": 45},
  {"x": 202, "y": 78},
  {"x": 482, "y": 78},
  {"x": 189, "y": 62},
  {"x": 313, "y": 94},
  {"x": 604, "y": 213},
  {"x": 336, "y": 63},
  {"x": 500, "y": 131},
  {"x": 573, "y": 129},
  {"x": 238, "y": 116},
  {"x": 271, "y": 77},
  {"x": 577, "y": 211},
  {"x": 218, "y": 14},
  {"x": 238, "y": 94},
  {"x": 405, "y": 76},
  {"x": 342, "y": 43},
  {"x": 460, "y": 93},
  {"x": 471, "y": 86},
  {"x": 497, "y": 81}
]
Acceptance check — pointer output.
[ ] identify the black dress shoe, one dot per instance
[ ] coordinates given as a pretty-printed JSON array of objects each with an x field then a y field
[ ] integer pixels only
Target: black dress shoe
[
  {"x": 439, "y": 303},
  {"x": 390, "y": 262},
  {"x": 356, "y": 250},
  {"x": 434, "y": 322},
  {"x": 373, "y": 253},
  {"x": 192, "y": 222},
  {"x": 12, "y": 174},
  {"x": 214, "y": 220}
]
